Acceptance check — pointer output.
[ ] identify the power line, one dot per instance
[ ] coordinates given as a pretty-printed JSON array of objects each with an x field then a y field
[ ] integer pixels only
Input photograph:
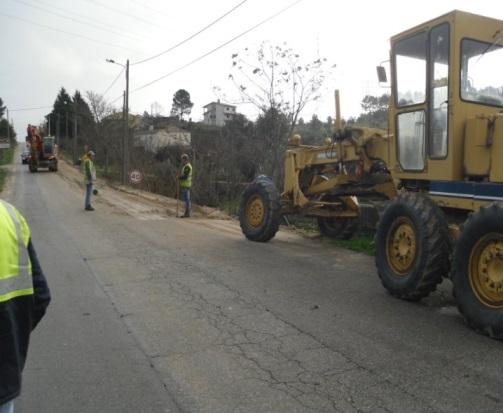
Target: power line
[
  {"x": 25, "y": 109},
  {"x": 216, "y": 48},
  {"x": 82, "y": 16},
  {"x": 150, "y": 8},
  {"x": 113, "y": 82},
  {"x": 132, "y": 16},
  {"x": 65, "y": 32},
  {"x": 74, "y": 19},
  {"x": 192, "y": 36}
]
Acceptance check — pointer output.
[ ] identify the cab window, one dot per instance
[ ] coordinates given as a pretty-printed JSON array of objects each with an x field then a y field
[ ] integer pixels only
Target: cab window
[
  {"x": 439, "y": 91},
  {"x": 481, "y": 74},
  {"x": 411, "y": 133},
  {"x": 410, "y": 66}
]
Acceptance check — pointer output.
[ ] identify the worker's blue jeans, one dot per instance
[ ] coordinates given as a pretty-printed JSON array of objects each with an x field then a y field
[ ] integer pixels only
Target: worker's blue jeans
[
  {"x": 89, "y": 192},
  {"x": 7, "y": 407},
  {"x": 186, "y": 199}
]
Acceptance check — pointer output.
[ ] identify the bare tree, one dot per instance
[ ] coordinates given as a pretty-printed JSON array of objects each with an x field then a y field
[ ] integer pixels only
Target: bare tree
[
  {"x": 278, "y": 82},
  {"x": 156, "y": 109},
  {"x": 276, "y": 77},
  {"x": 100, "y": 108},
  {"x": 105, "y": 134}
]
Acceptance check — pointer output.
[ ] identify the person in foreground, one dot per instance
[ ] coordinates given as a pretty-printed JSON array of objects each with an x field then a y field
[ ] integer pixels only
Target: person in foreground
[{"x": 24, "y": 297}]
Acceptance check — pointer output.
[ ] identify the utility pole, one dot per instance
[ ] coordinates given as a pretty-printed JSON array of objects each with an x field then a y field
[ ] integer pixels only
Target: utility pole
[
  {"x": 124, "y": 120},
  {"x": 8, "y": 126},
  {"x": 66, "y": 126},
  {"x": 75, "y": 137},
  {"x": 58, "y": 128},
  {"x": 49, "y": 126},
  {"x": 126, "y": 129},
  {"x": 125, "y": 139}
]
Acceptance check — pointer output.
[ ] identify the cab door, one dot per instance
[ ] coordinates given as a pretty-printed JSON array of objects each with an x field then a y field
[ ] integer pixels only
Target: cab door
[
  {"x": 410, "y": 63},
  {"x": 421, "y": 69},
  {"x": 438, "y": 96}
]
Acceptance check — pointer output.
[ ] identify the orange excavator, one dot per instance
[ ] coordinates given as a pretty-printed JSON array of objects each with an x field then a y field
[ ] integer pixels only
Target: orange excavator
[{"x": 43, "y": 150}]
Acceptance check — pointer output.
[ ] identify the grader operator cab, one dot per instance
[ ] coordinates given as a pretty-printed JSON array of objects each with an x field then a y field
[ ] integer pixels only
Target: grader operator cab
[{"x": 438, "y": 169}]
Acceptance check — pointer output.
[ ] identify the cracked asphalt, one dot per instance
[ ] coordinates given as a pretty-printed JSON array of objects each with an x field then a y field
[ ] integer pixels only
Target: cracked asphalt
[{"x": 157, "y": 314}]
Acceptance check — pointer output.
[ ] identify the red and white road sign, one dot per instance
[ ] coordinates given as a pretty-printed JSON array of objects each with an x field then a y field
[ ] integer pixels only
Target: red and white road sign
[{"x": 135, "y": 176}]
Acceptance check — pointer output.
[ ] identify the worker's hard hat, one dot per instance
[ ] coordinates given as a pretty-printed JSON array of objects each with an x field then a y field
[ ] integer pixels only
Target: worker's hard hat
[
  {"x": 185, "y": 157},
  {"x": 90, "y": 153}
]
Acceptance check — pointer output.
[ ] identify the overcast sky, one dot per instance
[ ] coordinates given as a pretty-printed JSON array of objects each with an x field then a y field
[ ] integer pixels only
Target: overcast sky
[{"x": 36, "y": 61}]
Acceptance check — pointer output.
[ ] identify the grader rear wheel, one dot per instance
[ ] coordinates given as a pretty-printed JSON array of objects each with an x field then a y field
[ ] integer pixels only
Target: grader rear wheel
[
  {"x": 478, "y": 271},
  {"x": 260, "y": 210},
  {"x": 412, "y": 247}
]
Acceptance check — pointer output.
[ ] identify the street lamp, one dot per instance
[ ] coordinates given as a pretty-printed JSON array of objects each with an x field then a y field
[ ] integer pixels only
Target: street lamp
[{"x": 125, "y": 153}]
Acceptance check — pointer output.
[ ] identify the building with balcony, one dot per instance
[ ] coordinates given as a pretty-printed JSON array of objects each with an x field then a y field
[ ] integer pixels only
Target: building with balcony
[{"x": 217, "y": 113}]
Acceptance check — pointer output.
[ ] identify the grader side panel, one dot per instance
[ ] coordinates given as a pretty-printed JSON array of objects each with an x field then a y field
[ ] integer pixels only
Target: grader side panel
[
  {"x": 496, "y": 174},
  {"x": 483, "y": 148}
]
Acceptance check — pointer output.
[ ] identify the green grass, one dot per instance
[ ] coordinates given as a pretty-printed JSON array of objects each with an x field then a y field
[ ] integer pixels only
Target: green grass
[
  {"x": 361, "y": 242},
  {"x": 6, "y": 156},
  {"x": 3, "y": 176},
  {"x": 230, "y": 206}
]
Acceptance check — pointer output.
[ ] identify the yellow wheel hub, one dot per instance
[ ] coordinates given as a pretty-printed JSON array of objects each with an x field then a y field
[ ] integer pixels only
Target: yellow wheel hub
[
  {"x": 486, "y": 270},
  {"x": 255, "y": 211},
  {"x": 401, "y": 246}
]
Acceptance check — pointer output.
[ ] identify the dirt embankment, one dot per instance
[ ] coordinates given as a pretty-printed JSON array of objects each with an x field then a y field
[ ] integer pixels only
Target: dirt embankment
[{"x": 141, "y": 204}]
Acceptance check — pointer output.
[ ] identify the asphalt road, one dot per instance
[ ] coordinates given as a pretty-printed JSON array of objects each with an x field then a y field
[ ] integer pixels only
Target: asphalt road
[{"x": 157, "y": 314}]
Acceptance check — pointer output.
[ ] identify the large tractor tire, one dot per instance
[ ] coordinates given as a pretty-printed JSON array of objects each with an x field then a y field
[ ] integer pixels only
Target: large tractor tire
[
  {"x": 412, "y": 246},
  {"x": 478, "y": 271},
  {"x": 260, "y": 210}
]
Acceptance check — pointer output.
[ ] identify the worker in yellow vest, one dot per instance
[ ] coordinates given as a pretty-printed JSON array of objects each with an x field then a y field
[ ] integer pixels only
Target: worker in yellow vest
[
  {"x": 24, "y": 297},
  {"x": 89, "y": 179},
  {"x": 185, "y": 179}
]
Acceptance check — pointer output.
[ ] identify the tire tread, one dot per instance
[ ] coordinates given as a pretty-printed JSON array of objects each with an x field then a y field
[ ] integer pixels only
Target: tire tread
[{"x": 437, "y": 244}]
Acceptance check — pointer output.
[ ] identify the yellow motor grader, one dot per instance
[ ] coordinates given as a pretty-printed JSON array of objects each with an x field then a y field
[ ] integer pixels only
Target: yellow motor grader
[{"x": 438, "y": 169}]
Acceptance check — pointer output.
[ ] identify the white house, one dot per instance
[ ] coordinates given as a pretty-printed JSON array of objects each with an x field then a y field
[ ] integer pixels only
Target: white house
[{"x": 216, "y": 113}]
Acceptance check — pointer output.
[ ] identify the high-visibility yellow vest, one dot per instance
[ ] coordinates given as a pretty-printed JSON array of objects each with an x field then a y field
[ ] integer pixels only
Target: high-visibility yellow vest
[
  {"x": 83, "y": 160},
  {"x": 89, "y": 164},
  {"x": 186, "y": 183},
  {"x": 15, "y": 266}
]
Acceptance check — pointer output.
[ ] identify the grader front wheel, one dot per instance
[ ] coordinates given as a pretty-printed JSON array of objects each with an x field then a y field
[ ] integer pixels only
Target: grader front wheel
[
  {"x": 478, "y": 271},
  {"x": 260, "y": 210},
  {"x": 412, "y": 247}
]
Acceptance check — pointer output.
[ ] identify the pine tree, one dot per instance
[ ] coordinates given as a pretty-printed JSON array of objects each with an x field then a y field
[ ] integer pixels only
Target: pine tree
[
  {"x": 182, "y": 104},
  {"x": 62, "y": 105}
]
